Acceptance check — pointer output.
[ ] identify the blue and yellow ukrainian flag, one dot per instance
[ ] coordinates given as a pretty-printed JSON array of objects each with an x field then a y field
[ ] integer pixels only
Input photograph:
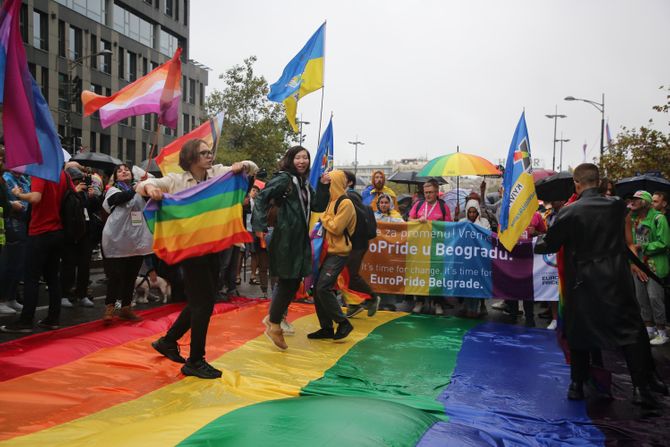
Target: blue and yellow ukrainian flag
[
  {"x": 303, "y": 75},
  {"x": 519, "y": 197}
]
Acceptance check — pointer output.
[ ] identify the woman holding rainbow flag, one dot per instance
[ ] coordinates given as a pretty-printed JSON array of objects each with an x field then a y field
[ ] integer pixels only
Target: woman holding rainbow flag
[{"x": 201, "y": 272}]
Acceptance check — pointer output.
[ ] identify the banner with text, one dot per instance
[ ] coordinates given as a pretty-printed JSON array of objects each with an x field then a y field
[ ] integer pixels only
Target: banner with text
[{"x": 456, "y": 259}]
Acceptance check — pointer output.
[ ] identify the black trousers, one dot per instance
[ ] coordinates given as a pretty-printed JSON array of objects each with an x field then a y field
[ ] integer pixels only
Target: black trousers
[
  {"x": 328, "y": 310},
  {"x": 282, "y": 297},
  {"x": 229, "y": 259},
  {"x": 121, "y": 274},
  {"x": 356, "y": 282},
  {"x": 200, "y": 282},
  {"x": 76, "y": 264},
  {"x": 638, "y": 359},
  {"x": 44, "y": 254}
]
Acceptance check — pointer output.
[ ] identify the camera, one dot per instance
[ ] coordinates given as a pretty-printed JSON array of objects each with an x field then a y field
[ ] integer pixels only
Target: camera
[{"x": 88, "y": 181}]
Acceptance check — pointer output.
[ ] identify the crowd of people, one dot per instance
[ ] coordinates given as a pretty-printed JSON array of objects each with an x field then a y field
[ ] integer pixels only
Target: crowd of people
[{"x": 41, "y": 240}]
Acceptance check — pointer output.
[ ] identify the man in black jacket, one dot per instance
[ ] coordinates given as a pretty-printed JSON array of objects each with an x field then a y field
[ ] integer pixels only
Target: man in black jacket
[{"x": 601, "y": 311}]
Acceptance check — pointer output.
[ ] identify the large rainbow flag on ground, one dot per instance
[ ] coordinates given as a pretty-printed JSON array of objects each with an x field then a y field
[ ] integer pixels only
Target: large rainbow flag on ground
[
  {"x": 303, "y": 75},
  {"x": 31, "y": 140},
  {"x": 157, "y": 92},
  {"x": 206, "y": 218},
  {"x": 397, "y": 380},
  {"x": 209, "y": 131}
]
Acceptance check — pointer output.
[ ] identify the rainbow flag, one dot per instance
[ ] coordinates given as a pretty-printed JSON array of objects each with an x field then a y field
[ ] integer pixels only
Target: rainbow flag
[
  {"x": 210, "y": 131},
  {"x": 519, "y": 197},
  {"x": 206, "y": 218},
  {"x": 398, "y": 379},
  {"x": 31, "y": 140},
  {"x": 303, "y": 75},
  {"x": 157, "y": 92}
]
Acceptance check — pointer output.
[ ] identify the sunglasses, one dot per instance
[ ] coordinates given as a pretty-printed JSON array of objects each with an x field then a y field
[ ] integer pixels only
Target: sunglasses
[{"x": 206, "y": 153}]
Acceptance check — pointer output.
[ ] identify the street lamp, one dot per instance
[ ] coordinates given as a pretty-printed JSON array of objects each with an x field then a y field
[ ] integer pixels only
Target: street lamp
[
  {"x": 71, "y": 90},
  {"x": 356, "y": 143},
  {"x": 555, "y": 117},
  {"x": 562, "y": 140},
  {"x": 600, "y": 106},
  {"x": 300, "y": 122}
]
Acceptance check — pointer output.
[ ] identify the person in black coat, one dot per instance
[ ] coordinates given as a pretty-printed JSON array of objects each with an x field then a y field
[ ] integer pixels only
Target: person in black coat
[{"x": 601, "y": 311}]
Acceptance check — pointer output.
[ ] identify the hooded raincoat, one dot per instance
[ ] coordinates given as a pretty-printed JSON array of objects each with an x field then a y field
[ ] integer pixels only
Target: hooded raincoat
[
  {"x": 290, "y": 251},
  {"x": 481, "y": 221},
  {"x": 345, "y": 219},
  {"x": 391, "y": 216},
  {"x": 371, "y": 193}
]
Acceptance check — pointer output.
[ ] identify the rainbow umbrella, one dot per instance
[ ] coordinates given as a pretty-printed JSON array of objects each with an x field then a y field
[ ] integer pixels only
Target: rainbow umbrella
[{"x": 459, "y": 164}]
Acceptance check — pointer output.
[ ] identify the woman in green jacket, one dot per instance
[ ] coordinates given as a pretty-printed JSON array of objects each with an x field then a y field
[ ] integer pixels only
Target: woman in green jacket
[{"x": 292, "y": 199}]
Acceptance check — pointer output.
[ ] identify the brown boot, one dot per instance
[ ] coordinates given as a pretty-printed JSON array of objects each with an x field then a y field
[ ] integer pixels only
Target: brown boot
[
  {"x": 126, "y": 313},
  {"x": 276, "y": 336},
  {"x": 109, "y": 314}
]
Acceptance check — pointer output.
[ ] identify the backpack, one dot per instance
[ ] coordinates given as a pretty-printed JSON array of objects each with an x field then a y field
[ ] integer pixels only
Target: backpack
[
  {"x": 441, "y": 202},
  {"x": 366, "y": 224},
  {"x": 72, "y": 215}
]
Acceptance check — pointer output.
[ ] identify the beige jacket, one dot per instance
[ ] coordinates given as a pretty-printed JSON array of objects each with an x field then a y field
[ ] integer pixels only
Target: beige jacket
[{"x": 173, "y": 183}]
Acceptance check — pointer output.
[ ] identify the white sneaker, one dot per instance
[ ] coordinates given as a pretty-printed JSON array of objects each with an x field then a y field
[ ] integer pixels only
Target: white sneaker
[
  {"x": 64, "y": 302},
  {"x": 659, "y": 340},
  {"x": 418, "y": 307},
  {"x": 15, "y": 305},
  {"x": 552, "y": 325},
  {"x": 438, "y": 309},
  {"x": 500, "y": 305},
  {"x": 6, "y": 310},
  {"x": 117, "y": 304},
  {"x": 287, "y": 328},
  {"x": 651, "y": 333},
  {"x": 86, "y": 302}
]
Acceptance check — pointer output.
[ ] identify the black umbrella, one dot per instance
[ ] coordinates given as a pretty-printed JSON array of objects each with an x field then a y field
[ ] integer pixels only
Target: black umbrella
[
  {"x": 646, "y": 182},
  {"x": 410, "y": 178},
  {"x": 152, "y": 167},
  {"x": 97, "y": 160},
  {"x": 556, "y": 187}
]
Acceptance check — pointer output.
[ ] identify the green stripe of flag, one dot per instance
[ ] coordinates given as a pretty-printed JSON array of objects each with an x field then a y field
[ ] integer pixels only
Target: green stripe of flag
[
  {"x": 215, "y": 203},
  {"x": 382, "y": 392}
]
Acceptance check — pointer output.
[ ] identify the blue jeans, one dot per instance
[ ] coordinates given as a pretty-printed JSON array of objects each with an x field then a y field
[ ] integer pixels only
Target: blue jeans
[{"x": 12, "y": 258}]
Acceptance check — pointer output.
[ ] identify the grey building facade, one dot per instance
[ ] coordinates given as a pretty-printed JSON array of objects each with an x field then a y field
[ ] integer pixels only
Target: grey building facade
[{"x": 62, "y": 35}]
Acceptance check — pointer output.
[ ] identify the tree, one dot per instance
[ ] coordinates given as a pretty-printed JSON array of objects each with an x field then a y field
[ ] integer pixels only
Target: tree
[
  {"x": 636, "y": 151},
  {"x": 254, "y": 128}
]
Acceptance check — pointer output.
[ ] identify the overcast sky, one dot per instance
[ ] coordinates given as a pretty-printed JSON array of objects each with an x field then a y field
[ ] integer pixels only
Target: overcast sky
[{"x": 419, "y": 78}]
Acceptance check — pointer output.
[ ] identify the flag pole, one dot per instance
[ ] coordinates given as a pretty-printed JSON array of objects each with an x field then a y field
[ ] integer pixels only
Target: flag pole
[
  {"x": 323, "y": 87},
  {"x": 155, "y": 143},
  {"x": 318, "y": 141}
]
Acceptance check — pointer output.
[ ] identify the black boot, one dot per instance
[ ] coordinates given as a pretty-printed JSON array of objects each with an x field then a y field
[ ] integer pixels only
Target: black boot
[
  {"x": 343, "y": 329},
  {"x": 576, "y": 391},
  {"x": 647, "y": 398},
  {"x": 322, "y": 333},
  {"x": 657, "y": 385}
]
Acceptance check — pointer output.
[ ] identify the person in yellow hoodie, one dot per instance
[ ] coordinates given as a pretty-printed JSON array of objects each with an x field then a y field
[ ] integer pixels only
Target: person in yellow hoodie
[
  {"x": 378, "y": 187},
  {"x": 339, "y": 222}
]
